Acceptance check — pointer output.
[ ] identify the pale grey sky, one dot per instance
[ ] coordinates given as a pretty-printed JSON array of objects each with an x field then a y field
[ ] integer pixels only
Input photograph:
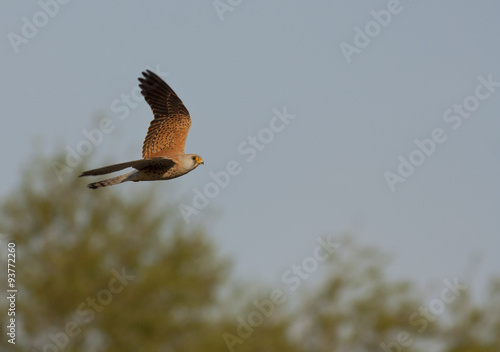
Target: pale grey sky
[{"x": 363, "y": 87}]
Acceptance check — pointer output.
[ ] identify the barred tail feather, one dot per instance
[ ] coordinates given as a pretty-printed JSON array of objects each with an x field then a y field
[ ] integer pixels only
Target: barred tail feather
[{"x": 110, "y": 181}]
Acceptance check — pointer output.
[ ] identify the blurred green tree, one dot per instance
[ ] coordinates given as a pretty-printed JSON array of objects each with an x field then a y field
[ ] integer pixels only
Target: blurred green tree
[
  {"x": 104, "y": 271},
  {"x": 357, "y": 308},
  {"x": 108, "y": 271}
]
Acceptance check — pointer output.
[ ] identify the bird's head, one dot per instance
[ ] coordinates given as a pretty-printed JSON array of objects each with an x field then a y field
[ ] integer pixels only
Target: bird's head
[{"x": 191, "y": 161}]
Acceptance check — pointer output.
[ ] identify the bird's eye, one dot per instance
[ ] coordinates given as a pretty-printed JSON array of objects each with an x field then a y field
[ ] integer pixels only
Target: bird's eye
[{"x": 194, "y": 158}]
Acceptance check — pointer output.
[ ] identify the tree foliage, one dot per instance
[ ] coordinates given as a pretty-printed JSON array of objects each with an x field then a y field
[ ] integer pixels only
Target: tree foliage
[{"x": 108, "y": 271}]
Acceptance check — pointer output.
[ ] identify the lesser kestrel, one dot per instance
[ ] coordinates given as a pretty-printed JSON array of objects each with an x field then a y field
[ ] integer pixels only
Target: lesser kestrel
[{"x": 163, "y": 149}]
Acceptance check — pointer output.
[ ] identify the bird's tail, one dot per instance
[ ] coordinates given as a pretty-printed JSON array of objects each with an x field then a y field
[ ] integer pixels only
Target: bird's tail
[{"x": 110, "y": 181}]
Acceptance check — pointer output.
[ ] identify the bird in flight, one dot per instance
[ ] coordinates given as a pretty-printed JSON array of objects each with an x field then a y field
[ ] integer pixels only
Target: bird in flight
[{"x": 163, "y": 149}]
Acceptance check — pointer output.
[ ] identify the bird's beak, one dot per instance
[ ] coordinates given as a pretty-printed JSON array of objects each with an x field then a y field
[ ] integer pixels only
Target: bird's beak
[{"x": 200, "y": 161}]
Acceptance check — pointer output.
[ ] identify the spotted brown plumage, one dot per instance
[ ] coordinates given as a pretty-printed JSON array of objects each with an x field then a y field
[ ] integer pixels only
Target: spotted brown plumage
[
  {"x": 168, "y": 131},
  {"x": 163, "y": 148}
]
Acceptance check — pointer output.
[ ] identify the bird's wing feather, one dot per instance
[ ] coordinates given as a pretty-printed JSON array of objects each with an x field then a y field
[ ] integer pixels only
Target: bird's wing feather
[
  {"x": 136, "y": 164},
  {"x": 168, "y": 131}
]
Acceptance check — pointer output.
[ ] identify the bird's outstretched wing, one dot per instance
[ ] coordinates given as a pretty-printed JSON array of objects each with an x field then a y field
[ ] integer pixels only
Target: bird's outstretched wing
[
  {"x": 136, "y": 164},
  {"x": 168, "y": 131}
]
